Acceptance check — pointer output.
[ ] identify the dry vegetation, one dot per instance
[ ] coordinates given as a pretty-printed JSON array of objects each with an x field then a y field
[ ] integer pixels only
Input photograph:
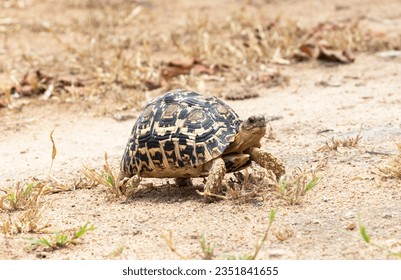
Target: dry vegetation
[
  {"x": 207, "y": 250},
  {"x": 392, "y": 168},
  {"x": 294, "y": 185},
  {"x": 333, "y": 144},
  {"x": 21, "y": 207},
  {"x": 105, "y": 58}
]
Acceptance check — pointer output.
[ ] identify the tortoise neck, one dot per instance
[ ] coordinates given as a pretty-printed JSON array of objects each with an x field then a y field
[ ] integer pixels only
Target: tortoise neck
[{"x": 246, "y": 139}]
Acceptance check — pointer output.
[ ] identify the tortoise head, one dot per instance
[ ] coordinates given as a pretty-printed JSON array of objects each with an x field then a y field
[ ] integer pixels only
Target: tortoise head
[
  {"x": 254, "y": 124},
  {"x": 252, "y": 130},
  {"x": 249, "y": 134}
]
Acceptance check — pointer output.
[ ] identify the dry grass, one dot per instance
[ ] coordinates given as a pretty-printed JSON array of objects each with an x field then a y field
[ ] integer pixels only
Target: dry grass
[
  {"x": 108, "y": 177},
  {"x": 283, "y": 234},
  {"x": 23, "y": 205},
  {"x": 292, "y": 187},
  {"x": 392, "y": 168},
  {"x": 207, "y": 250},
  {"x": 21, "y": 197},
  {"x": 170, "y": 243},
  {"x": 333, "y": 144},
  {"x": 27, "y": 221},
  {"x": 104, "y": 46}
]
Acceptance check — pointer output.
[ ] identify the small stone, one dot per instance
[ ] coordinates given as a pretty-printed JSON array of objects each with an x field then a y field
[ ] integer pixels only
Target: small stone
[
  {"x": 351, "y": 226},
  {"x": 349, "y": 215}
]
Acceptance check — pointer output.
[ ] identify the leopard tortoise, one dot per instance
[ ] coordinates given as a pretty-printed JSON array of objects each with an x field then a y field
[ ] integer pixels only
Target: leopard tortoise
[{"x": 183, "y": 135}]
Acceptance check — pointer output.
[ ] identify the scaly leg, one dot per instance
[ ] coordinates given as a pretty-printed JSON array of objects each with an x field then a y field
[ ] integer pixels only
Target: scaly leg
[
  {"x": 267, "y": 161},
  {"x": 215, "y": 178},
  {"x": 127, "y": 185}
]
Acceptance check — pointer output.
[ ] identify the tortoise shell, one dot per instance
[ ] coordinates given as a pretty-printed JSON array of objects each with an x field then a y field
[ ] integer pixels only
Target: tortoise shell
[{"x": 178, "y": 133}]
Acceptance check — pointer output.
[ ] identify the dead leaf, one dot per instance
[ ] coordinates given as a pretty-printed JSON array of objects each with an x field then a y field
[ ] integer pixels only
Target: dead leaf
[
  {"x": 203, "y": 69},
  {"x": 171, "y": 71},
  {"x": 36, "y": 83},
  {"x": 323, "y": 51},
  {"x": 309, "y": 50},
  {"x": 54, "y": 150},
  {"x": 351, "y": 226},
  {"x": 183, "y": 67},
  {"x": 278, "y": 59},
  {"x": 272, "y": 78},
  {"x": 335, "y": 55},
  {"x": 315, "y": 45}
]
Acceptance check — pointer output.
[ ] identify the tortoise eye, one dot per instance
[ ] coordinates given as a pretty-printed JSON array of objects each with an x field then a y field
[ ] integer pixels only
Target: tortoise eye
[{"x": 251, "y": 120}]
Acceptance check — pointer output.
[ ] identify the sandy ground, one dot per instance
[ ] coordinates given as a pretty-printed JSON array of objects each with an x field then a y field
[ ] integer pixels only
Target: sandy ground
[{"x": 361, "y": 97}]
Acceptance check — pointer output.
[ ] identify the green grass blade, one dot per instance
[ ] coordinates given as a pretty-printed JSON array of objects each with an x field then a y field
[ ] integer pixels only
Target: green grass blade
[
  {"x": 28, "y": 189},
  {"x": 311, "y": 184},
  {"x": 272, "y": 216},
  {"x": 62, "y": 240},
  {"x": 84, "y": 229},
  {"x": 42, "y": 241},
  {"x": 11, "y": 198},
  {"x": 109, "y": 179},
  {"x": 364, "y": 234},
  {"x": 362, "y": 230}
]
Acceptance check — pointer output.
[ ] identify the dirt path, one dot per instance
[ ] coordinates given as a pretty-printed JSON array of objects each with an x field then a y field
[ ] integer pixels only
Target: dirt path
[{"x": 343, "y": 100}]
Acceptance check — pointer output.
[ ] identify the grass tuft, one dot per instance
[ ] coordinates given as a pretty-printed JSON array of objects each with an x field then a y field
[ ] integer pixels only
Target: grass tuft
[
  {"x": 24, "y": 205},
  {"x": 208, "y": 250},
  {"x": 365, "y": 236},
  {"x": 170, "y": 243},
  {"x": 293, "y": 187},
  {"x": 21, "y": 197},
  {"x": 392, "y": 168},
  {"x": 60, "y": 240},
  {"x": 107, "y": 177},
  {"x": 333, "y": 144}
]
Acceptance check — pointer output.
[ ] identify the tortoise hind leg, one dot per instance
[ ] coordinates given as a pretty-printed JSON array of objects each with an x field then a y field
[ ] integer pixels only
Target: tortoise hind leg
[
  {"x": 183, "y": 182},
  {"x": 267, "y": 161},
  {"x": 215, "y": 178}
]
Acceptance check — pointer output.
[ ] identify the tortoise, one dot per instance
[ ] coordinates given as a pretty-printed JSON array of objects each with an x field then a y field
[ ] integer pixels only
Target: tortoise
[{"x": 183, "y": 134}]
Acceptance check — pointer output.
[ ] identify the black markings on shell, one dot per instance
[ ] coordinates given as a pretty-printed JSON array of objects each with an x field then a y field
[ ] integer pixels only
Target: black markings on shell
[{"x": 179, "y": 129}]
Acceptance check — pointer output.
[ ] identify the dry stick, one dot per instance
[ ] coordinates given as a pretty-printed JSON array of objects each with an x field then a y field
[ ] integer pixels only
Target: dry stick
[
  {"x": 170, "y": 244},
  {"x": 380, "y": 153}
]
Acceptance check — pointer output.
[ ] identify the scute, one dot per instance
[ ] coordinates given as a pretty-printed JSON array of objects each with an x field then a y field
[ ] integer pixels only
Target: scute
[{"x": 177, "y": 133}]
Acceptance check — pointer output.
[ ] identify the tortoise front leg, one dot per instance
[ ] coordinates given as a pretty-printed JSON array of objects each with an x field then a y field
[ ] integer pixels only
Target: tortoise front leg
[
  {"x": 127, "y": 184},
  {"x": 215, "y": 178},
  {"x": 267, "y": 161}
]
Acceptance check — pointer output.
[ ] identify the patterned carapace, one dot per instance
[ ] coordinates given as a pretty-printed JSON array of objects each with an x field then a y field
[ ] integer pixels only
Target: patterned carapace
[{"x": 177, "y": 133}]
